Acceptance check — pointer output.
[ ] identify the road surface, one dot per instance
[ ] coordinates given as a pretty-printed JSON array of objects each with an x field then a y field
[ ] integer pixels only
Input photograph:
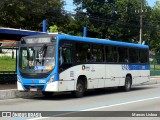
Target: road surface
[{"x": 108, "y": 103}]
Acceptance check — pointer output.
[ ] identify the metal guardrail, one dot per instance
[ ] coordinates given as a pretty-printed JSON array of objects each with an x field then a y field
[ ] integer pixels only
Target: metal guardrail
[
  {"x": 7, "y": 72},
  {"x": 155, "y": 73},
  {"x": 8, "y": 77},
  {"x": 5, "y": 78}
]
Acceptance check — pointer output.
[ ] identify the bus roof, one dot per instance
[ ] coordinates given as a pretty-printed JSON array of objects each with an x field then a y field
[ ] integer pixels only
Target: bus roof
[
  {"x": 100, "y": 41},
  {"x": 19, "y": 31},
  {"x": 92, "y": 40}
]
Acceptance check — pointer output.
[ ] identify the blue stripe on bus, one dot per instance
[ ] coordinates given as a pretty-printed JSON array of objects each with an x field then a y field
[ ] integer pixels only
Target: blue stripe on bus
[{"x": 135, "y": 67}]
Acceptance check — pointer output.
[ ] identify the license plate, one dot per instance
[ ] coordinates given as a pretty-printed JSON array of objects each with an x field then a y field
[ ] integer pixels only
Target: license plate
[{"x": 33, "y": 89}]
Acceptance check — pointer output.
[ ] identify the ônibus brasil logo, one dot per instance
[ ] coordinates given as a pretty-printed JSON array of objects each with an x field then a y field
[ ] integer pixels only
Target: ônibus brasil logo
[{"x": 83, "y": 67}]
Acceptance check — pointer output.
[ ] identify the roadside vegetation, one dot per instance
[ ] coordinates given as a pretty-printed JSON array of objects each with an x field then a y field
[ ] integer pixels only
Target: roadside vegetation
[
  {"x": 7, "y": 63},
  {"x": 108, "y": 19}
]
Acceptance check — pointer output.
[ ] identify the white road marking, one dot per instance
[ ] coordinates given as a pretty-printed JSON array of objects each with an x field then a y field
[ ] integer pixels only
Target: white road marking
[
  {"x": 96, "y": 108},
  {"x": 141, "y": 100}
]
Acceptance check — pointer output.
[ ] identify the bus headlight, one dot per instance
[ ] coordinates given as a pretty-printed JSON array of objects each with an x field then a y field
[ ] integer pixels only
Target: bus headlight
[
  {"x": 51, "y": 79},
  {"x": 18, "y": 79}
]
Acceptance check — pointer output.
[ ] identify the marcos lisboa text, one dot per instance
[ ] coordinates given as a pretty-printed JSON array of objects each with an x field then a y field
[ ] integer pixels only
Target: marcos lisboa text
[{"x": 147, "y": 114}]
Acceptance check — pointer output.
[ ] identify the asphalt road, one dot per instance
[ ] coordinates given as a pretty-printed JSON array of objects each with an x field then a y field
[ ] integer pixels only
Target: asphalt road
[{"x": 112, "y": 103}]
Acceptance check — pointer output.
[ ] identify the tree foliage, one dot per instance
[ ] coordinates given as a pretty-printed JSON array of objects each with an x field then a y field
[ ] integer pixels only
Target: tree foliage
[
  {"x": 154, "y": 30},
  {"x": 29, "y": 14},
  {"x": 53, "y": 28},
  {"x": 112, "y": 19},
  {"x": 115, "y": 19}
]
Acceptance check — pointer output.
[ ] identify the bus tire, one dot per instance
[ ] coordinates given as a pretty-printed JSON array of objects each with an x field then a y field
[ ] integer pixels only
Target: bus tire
[
  {"x": 80, "y": 89},
  {"x": 47, "y": 94},
  {"x": 128, "y": 84}
]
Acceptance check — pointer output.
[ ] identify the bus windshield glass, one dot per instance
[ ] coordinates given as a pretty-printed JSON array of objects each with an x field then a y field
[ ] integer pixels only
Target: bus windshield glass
[{"x": 37, "y": 59}]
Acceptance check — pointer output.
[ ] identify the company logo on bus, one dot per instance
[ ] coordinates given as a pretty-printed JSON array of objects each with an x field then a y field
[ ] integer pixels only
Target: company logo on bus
[{"x": 83, "y": 67}]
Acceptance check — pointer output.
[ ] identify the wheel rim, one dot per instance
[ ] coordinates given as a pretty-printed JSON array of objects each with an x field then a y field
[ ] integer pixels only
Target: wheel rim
[{"x": 80, "y": 88}]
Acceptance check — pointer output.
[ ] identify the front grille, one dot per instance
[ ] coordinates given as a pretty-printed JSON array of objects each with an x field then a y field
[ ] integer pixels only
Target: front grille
[
  {"x": 37, "y": 76},
  {"x": 39, "y": 87}
]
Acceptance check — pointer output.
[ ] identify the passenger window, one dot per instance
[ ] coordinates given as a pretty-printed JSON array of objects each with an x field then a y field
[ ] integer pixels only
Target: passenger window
[
  {"x": 65, "y": 55},
  {"x": 143, "y": 56},
  {"x": 133, "y": 55},
  {"x": 123, "y": 54},
  {"x": 97, "y": 53},
  {"x": 111, "y": 54},
  {"x": 83, "y": 52}
]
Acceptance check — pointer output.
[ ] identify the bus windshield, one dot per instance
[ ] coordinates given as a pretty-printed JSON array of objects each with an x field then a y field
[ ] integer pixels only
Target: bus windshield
[{"x": 37, "y": 59}]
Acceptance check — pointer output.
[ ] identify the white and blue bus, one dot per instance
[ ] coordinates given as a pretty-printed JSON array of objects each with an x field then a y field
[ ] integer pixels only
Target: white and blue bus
[{"x": 59, "y": 62}]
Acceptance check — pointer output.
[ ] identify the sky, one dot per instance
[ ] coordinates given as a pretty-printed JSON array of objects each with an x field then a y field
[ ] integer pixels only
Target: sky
[
  {"x": 151, "y": 2},
  {"x": 70, "y": 7}
]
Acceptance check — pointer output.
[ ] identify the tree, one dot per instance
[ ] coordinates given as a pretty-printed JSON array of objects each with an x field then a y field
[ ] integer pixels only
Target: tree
[
  {"x": 29, "y": 14},
  {"x": 70, "y": 25},
  {"x": 154, "y": 41},
  {"x": 53, "y": 28},
  {"x": 116, "y": 19}
]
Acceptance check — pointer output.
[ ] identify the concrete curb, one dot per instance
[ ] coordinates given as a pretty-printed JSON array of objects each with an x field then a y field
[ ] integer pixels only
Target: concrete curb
[
  {"x": 13, "y": 93},
  {"x": 155, "y": 80}
]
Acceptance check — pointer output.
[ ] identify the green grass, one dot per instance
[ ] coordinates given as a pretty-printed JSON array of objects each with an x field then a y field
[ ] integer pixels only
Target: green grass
[
  {"x": 7, "y": 63},
  {"x": 154, "y": 67}
]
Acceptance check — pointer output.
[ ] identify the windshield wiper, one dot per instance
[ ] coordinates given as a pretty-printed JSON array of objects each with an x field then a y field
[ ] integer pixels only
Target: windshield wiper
[
  {"x": 41, "y": 53},
  {"x": 37, "y": 57},
  {"x": 44, "y": 48}
]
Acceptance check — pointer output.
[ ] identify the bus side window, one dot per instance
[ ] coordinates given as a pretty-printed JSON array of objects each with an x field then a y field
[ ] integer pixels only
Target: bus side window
[
  {"x": 123, "y": 54},
  {"x": 65, "y": 55},
  {"x": 143, "y": 56},
  {"x": 111, "y": 54},
  {"x": 97, "y": 53},
  {"x": 83, "y": 52},
  {"x": 126, "y": 55},
  {"x": 133, "y": 55},
  {"x": 88, "y": 55},
  {"x": 65, "y": 58},
  {"x": 60, "y": 56}
]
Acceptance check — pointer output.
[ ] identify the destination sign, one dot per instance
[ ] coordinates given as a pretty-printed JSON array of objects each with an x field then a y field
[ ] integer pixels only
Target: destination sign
[{"x": 31, "y": 40}]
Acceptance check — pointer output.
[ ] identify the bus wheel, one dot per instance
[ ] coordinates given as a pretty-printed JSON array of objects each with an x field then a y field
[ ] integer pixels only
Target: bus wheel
[
  {"x": 47, "y": 94},
  {"x": 80, "y": 88},
  {"x": 128, "y": 84}
]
